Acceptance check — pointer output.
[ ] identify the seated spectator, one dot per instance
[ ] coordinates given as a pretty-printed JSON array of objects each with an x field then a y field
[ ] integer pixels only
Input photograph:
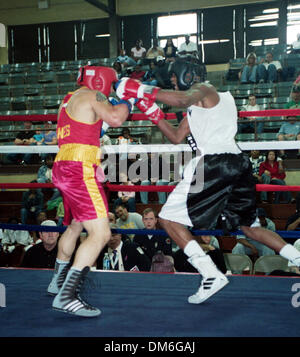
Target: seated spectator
[
  {"x": 13, "y": 238},
  {"x": 32, "y": 204},
  {"x": 154, "y": 51},
  {"x": 289, "y": 130},
  {"x": 155, "y": 177},
  {"x": 112, "y": 217},
  {"x": 138, "y": 52},
  {"x": 43, "y": 254},
  {"x": 256, "y": 121},
  {"x": 137, "y": 73},
  {"x": 117, "y": 66},
  {"x": 294, "y": 103},
  {"x": 60, "y": 214},
  {"x": 44, "y": 175},
  {"x": 293, "y": 221},
  {"x": 272, "y": 172},
  {"x": 38, "y": 137},
  {"x": 188, "y": 49},
  {"x": 128, "y": 220},
  {"x": 161, "y": 73},
  {"x": 256, "y": 159},
  {"x": 251, "y": 247},
  {"x": 248, "y": 73},
  {"x": 182, "y": 265},
  {"x": 105, "y": 140},
  {"x": 50, "y": 137},
  {"x": 292, "y": 268},
  {"x": 126, "y": 139},
  {"x": 124, "y": 255},
  {"x": 125, "y": 60},
  {"x": 170, "y": 51},
  {"x": 126, "y": 197},
  {"x": 152, "y": 244},
  {"x": 162, "y": 263},
  {"x": 296, "y": 45},
  {"x": 149, "y": 77},
  {"x": 23, "y": 138},
  {"x": 270, "y": 71}
]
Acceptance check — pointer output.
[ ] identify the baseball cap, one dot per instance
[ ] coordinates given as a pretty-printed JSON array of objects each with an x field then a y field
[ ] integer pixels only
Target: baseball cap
[
  {"x": 48, "y": 222},
  {"x": 159, "y": 58}
]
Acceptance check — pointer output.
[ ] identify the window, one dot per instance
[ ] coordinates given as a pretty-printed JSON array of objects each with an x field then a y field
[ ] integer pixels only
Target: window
[{"x": 293, "y": 23}]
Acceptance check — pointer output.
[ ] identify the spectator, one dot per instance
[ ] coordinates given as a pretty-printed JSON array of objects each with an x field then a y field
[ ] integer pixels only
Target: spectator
[
  {"x": 50, "y": 137},
  {"x": 152, "y": 244},
  {"x": 14, "y": 238},
  {"x": 23, "y": 138},
  {"x": 38, "y": 137},
  {"x": 248, "y": 73},
  {"x": 170, "y": 51},
  {"x": 161, "y": 73},
  {"x": 292, "y": 268},
  {"x": 256, "y": 122},
  {"x": 289, "y": 131},
  {"x": 60, "y": 213},
  {"x": 295, "y": 97},
  {"x": 117, "y": 66},
  {"x": 126, "y": 197},
  {"x": 138, "y": 52},
  {"x": 44, "y": 175},
  {"x": 32, "y": 204},
  {"x": 293, "y": 222},
  {"x": 138, "y": 73},
  {"x": 112, "y": 217},
  {"x": 256, "y": 159},
  {"x": 149, "y": 77},
  {"x": 155, "y": 177},
  {"x": 272, "y": 172},
  {"x": 296, "y": 45},
  {"x": 162, "y": 263},
  {"x": 154, "y": 51},
  {"x": 124, "y": 255},
  {"x": 128, "y": 220},
  {"x": 188, "y": 49},
  {"x": 249, "y": 246},
  {"x": 269, "y": 70},
  {"x": 125, "y": 139},
  {"x": 105, "y": 140},
  {"x": 43, "y": 255},
  {"x": 182, "y": 265},
  {"x": 125, "y": 60}
]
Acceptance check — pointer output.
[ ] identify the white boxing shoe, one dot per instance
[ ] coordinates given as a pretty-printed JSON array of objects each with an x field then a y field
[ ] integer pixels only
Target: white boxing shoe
[
  {"x": 208, "y": 287},
  {"x": 213, "y": 280}
]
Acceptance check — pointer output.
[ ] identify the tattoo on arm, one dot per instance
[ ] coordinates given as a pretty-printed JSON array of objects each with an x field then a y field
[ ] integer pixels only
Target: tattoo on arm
[{"x": 100, "y": 97}]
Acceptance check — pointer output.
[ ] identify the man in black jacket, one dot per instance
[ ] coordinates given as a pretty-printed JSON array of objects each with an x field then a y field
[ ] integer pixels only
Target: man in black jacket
[{"x": 124, "y": 255}]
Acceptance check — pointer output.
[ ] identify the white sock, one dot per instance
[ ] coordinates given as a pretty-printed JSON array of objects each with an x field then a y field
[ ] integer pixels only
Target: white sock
[
  {"x": 289, "y": 252},
  {"x": 193, "y": 248}
]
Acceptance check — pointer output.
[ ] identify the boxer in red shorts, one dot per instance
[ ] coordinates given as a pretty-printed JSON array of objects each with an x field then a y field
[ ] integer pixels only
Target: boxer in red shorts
[{"x": 80, "y": 119}]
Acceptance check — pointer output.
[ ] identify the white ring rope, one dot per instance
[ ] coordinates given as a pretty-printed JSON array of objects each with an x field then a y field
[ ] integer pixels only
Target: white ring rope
[{"x": 153, "y": 148}]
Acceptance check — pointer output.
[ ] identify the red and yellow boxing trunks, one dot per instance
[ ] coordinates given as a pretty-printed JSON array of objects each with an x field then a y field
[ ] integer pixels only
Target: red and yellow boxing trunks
[{"x": 74, "y": 174}]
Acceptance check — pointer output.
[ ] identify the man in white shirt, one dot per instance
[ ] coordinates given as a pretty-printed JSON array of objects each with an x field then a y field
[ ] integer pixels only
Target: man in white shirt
[
  {"x": 268, "y": 70},
  {"x": 250, "y": 127},
  {"x": 188, "y": 48}
]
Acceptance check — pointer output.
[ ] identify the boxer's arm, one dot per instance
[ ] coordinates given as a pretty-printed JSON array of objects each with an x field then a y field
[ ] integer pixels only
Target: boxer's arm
[
  {"x": 175, "y": 135},
  {"x": 184, "y": 99}
]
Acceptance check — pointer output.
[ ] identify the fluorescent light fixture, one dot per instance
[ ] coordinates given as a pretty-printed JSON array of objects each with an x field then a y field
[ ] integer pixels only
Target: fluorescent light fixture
[
  {"x": 264, "y": 17},
  {"x": 104, "y": 35},
  {"x": 206, "y": 42},
  {"x": 292, "y": 7},
  {"x": 263, "y": 24},
  {"x": 270, "y": 11}
]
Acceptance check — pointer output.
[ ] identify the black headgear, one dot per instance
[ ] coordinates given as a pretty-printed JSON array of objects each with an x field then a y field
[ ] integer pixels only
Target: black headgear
[
  {"x": 185, "y": 73},
  {"x": 296, "y": 88}
]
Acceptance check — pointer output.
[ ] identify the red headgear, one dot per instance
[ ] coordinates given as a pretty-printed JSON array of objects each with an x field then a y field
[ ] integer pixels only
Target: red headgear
[{"x": 97, "y": 78}]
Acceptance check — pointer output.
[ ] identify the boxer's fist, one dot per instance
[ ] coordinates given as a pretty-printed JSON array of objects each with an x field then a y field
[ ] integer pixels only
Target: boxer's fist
[
  {"x": 152, "y": 110},
  {"x": 131, "y": 88}
]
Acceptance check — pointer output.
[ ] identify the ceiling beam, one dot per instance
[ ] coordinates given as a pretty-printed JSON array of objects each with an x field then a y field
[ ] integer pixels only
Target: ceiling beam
[{"x": 108, "y": 9}]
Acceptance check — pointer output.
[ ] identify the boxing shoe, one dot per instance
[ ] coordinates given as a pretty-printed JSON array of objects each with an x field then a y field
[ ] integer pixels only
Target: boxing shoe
[
  {"x": 69, "y": 300},
  {"x": 213, "y": 280},
  {"x": 59, "y": 276}
]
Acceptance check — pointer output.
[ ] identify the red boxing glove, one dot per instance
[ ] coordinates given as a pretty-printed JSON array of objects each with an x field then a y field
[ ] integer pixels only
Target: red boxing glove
[
  {"x": 130, "y": 88},
  {"x": 152, "y": 110}
]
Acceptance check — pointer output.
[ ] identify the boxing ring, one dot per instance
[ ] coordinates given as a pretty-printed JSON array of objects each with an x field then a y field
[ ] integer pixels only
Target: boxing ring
[{"x": 151, "y": 305}]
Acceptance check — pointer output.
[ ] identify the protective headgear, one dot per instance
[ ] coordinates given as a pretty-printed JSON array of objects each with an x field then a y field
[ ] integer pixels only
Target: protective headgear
[
  {"x": 296, "y": 88},
  {"x": 184, "y": 72},
  {"x": 97, "y": 78}
]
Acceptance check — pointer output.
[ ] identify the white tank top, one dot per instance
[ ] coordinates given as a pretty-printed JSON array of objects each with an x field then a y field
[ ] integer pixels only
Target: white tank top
[{"x": 214, "y": 128}]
